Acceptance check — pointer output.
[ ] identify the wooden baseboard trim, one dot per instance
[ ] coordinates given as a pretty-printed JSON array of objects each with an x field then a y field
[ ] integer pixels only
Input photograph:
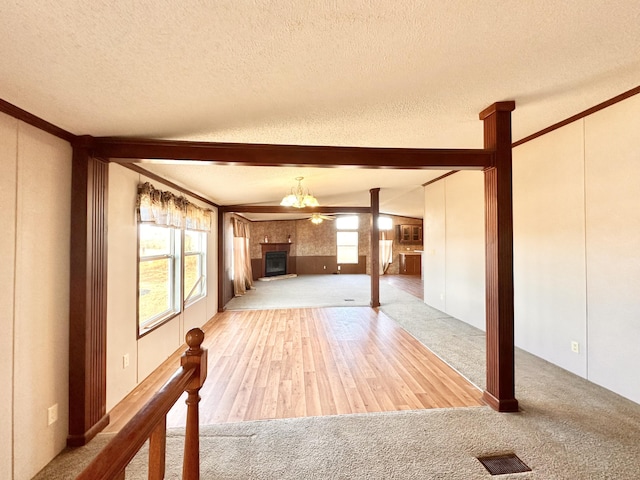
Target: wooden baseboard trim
[
  {"x": 86, "y": 437},
  {"x": 508, "y": 405}
]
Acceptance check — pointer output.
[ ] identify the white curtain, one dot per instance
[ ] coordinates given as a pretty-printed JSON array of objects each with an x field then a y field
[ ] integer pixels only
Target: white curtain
[{"x": 386, "y": 255}]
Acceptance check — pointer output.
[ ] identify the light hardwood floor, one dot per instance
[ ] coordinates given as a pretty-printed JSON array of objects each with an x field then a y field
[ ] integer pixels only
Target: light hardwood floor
[
  {"x": 266, "y": 364},
  {"x": 409, "y": 283}
]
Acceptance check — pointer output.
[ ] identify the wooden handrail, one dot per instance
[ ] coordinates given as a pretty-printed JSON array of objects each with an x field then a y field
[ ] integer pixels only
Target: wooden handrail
[{"x": 151, "y": 423}]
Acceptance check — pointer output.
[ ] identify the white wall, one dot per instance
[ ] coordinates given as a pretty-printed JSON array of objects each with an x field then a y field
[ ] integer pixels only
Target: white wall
[
  {"x": 464, "y": 256},
  {"x": 576, "y": 246},
  {"x": 612, "y": 147},
  {"x": 121, "y": 283},
  {"x": 35, "y": 201},
  {"x": 434, "y": 239},
  {"x": 8, "y": 166},
  {"x": 454, "y": 247},
  {"x": 549, "y": 247},
  {"x": 146, "y": 353}
]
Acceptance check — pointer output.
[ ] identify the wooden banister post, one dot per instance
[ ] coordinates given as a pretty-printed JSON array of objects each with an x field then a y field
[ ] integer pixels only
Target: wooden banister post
[{"x": 198, "y": 356}]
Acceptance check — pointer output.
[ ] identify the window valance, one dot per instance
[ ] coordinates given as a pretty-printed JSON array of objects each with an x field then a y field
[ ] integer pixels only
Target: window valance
[{"x": 165, "y": 208}]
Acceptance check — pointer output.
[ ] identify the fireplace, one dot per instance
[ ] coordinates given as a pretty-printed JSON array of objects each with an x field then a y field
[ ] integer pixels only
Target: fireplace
[
  {"x": 275, "y": 259},
  {"x": 275, "y": 263}
]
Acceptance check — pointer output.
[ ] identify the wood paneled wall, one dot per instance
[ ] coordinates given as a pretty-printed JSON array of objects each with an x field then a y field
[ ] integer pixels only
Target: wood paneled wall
[
  {"x": 88, "y": 292},
  {"x": 314, "y": 265}
]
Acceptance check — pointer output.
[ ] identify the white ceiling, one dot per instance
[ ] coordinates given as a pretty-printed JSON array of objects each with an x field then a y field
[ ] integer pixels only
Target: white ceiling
[{"x": 396, "y": 73}]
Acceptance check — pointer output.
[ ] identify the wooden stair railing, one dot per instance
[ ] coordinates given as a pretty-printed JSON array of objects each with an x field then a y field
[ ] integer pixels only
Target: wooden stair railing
[{"x": 151, "y": 423}]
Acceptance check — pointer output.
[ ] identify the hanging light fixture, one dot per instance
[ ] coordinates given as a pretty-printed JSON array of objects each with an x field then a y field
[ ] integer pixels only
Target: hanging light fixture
[
  {"x": 298, "y": 199},
  {"x": 316, "y": 219}
]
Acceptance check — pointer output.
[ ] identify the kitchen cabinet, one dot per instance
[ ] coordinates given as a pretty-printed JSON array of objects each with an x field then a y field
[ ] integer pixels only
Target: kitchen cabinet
[
  {"x": 410, "y": 263},
  {"x": 409, "y": 234}
]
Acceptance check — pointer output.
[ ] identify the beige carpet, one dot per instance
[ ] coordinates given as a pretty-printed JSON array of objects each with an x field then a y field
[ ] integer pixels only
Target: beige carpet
[
  {"x": 568, "y": 428},
  {"x": 306, "y": 291}
]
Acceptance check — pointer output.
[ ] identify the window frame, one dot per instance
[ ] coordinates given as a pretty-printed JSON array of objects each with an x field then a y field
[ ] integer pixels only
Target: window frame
[
  {"x": 348, "y": 224},
  {"x": 188, "y": 298},
  {"x": 175, "y": 280}
]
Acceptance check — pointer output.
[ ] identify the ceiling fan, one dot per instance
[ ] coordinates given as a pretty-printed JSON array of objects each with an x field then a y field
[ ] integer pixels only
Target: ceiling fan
[{"x": 317, "y": 218}]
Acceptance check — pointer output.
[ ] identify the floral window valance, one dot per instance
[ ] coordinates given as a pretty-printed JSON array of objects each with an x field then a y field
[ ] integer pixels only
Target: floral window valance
[{"x": 165, "y": 208}]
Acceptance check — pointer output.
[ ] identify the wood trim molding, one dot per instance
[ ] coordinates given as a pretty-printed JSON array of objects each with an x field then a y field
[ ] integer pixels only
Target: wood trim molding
[
  {"x": 138, "y": 169},
  {"x": 509, "y": 405},
  {"x": 124, "y": 150},
  {"x": 37, "y": 122},
  {"x": 566, "y": 121},
  {"x": 578, "y": 116},
  {"x": 441, "y": 177},
  {"x": 280, "y": 209},
  {"x": 88, "y": 298}
]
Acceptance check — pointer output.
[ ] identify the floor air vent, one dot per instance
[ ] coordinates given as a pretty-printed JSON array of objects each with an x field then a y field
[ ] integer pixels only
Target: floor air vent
[{"x": 503, "y": 464}]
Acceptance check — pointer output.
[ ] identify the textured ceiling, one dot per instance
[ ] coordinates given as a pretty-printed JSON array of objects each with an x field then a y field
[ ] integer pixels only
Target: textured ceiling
[{"x": 356, "y": 72}]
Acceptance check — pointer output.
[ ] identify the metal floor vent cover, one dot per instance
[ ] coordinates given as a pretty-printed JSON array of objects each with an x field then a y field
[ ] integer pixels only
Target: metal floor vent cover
[
  {"x": 349, "y": 300},
  {"x": 503, "y": 464}
]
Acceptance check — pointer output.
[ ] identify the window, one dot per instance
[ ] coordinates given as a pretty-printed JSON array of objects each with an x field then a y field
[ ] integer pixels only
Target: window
[
  {"x": 158, "y": 275},
  {"x": 195, "y": 253},
  {"x": 347, "y": 223},
  {"x": 385, "y": 223},
  {"x": 347, "y": 247},
  {"x": 347, "y": 241},
  {"x": 172, "y": 251}
]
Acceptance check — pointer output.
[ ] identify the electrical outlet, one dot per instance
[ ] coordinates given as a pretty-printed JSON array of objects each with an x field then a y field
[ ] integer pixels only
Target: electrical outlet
[
  {"x": 575, "y": 347},
  {"x": 52, "y": 414},
  {"x": 125, "y": 360},
  {"x": 442, "y": 296}
]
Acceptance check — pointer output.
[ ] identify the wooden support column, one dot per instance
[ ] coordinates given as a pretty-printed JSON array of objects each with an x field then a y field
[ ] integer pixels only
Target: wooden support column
[
  {"x": 500, "y": 389},
  {"x": 221, "y": 261},
  {"x": 88, "y": 295},
  {"x": 375, "y": 248}
]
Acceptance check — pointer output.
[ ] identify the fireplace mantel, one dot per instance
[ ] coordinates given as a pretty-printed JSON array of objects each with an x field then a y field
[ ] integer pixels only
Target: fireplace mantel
[{"x": 275, "y": 247}]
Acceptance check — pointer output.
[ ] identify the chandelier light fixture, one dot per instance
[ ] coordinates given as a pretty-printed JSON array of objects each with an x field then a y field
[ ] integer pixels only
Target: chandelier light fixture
[
  {"x": 298, "y": 199},
  {"x": 316, "y": 219}
]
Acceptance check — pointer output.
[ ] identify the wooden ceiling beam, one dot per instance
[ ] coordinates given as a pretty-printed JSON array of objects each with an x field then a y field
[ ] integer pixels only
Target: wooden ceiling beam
[
  {"x": 292, "y": 210},
  {"x": 127, "y": 150}
]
